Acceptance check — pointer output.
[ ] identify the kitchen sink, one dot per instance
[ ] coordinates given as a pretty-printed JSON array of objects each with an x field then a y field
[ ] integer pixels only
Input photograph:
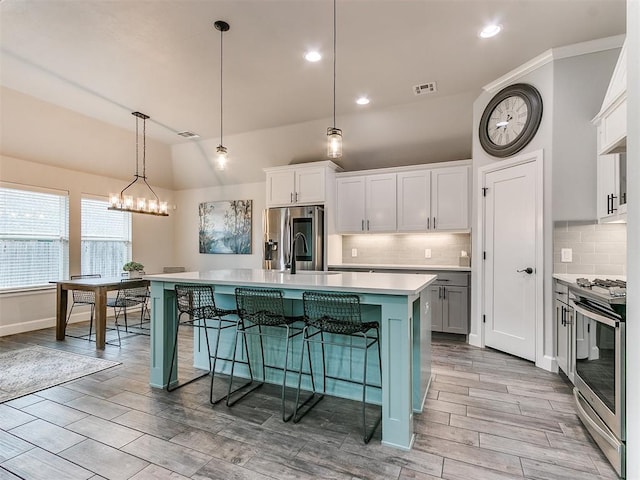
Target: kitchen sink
[{"x": 310, "y": 272}]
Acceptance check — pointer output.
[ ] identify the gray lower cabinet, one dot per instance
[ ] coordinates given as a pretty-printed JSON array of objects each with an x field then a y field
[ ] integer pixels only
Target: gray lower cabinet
[
  {"x": 449, "y": 307},
  {"x": 564, "y": 330},
  {"x": 448, "y": 297}
]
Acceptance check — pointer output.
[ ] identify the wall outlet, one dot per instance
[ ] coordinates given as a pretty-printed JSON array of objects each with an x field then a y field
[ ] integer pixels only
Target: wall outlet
[
  {"x": 427, "y": 253},
  {"x": 566, "y": 255},
  {"x": 354, "y": 252}
]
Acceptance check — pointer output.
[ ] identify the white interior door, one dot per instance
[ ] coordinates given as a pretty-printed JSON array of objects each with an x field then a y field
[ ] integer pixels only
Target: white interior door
[{"x": 510, "y": 246}]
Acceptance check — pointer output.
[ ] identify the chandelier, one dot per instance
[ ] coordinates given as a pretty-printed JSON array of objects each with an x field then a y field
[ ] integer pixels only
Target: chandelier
[{"x": 125, "y": 202}]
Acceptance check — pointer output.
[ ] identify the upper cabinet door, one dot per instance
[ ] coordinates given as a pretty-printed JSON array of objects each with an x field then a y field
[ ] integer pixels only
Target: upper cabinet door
[
  {"x": 414, "y": 201},
  {"x": 381, "y": 203},
  {"x": 350, "y": 206},
  {"x": 310, "y": 185},
  {"x": 280, "y": 187},
  {"x": 450, "y": 198}
]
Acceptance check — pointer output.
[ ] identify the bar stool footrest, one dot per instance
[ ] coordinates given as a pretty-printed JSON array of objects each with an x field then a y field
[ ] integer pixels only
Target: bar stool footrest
[
  {"x": 317, "y": 397},
  {"x": 182, "y": 384},
  {"x": 244, "y": 394}
]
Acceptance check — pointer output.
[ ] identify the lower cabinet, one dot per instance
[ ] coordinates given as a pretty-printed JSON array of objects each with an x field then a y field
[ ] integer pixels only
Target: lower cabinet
[
  {"x": 448, "y": 296},
  {"x": 564, "y": 330},
  {"x": 449, "y": 306}
]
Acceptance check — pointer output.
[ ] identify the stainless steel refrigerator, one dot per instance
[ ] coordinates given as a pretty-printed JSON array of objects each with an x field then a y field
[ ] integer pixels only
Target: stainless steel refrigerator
[{"x": 282, "y": 225}]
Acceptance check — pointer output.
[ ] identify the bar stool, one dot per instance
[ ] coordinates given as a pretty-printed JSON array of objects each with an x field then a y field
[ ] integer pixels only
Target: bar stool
[
  {"x": 197, "y": 303},
  {"x": 258, "y": 308},
  {"x": 336, "y": 314}
]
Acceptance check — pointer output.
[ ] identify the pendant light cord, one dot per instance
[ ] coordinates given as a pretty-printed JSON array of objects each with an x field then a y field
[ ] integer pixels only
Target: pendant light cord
[
  {"x": 144, "y": 149},
  {"x": 221, "y": 64},
  {"x": 334, "y": 63},
  {"x": 137, "y": 142}
]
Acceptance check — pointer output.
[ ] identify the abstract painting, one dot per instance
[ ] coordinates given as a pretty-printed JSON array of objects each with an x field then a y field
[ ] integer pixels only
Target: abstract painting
[{"x": 225, "y": 227}]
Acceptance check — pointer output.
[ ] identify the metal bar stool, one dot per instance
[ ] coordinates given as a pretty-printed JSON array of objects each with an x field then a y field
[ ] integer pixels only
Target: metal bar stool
[
  {"x": 81, "y": 297},
  {"x": 128, "y": 298},
  {"x": 336, "y": 314},
  {"x": 197, "y": 308},
  {"x": 258, "y": 308}
]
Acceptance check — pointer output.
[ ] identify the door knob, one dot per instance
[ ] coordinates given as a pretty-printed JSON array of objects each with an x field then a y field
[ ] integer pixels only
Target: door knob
[{"x": 527, "y": 270}]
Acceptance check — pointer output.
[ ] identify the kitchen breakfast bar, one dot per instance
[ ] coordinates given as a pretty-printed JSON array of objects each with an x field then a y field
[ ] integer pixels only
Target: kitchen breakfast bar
[{"x": 399, "y": 302}]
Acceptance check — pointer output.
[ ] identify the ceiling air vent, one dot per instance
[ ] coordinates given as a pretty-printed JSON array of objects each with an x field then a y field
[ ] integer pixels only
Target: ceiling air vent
[
  {"x": 186, "y": 134},
  {"x": 425, "y": 88}
]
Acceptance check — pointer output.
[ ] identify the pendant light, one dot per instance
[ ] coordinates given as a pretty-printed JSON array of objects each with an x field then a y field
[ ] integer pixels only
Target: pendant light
[
  {"x": 221, "y": 150},
  {"x": 334, "y": 135},
  {"x": 125, "y": 203}
]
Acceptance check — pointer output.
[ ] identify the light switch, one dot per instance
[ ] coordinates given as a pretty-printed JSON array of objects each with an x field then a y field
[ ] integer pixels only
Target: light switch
[
  {"x": 354, "y": 252},
  {"x": 566, "y": 255},
  {"x": 427, "y": 253}
]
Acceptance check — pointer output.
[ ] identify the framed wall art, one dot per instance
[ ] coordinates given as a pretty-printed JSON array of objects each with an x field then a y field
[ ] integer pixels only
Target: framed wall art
[{"x": 225, "y": 227}]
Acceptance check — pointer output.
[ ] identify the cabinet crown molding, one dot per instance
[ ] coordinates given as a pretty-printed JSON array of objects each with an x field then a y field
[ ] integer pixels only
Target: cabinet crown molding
[{"x": 407, "y": 168}]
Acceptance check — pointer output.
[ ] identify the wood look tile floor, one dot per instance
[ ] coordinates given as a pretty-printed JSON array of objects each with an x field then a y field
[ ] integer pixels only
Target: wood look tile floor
[{"x": 488, "y": 416}]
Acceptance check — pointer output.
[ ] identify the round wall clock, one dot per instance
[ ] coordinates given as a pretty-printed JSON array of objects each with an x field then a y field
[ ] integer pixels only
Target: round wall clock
[{"x": 510, "y": 120}]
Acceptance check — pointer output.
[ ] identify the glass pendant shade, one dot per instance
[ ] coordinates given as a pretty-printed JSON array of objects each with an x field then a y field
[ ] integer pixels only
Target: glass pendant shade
[
  {"x": 221, "y": 157},
  {"x": 334, "y": 142}
]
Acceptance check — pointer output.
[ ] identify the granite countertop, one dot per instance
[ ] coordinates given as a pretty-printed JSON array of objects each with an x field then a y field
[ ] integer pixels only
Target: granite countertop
[
  {"x": 391, "y": 266},
  {"x": 356, "y": 282},
  {"x": 570, "y": 278}
]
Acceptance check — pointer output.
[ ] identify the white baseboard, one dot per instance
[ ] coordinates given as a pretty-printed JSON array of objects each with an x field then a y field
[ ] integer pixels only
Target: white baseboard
[
  {"x": 475, "y": 340},
  {"x": 548, "y": 363},
  {"x": 39, "y": 324}
]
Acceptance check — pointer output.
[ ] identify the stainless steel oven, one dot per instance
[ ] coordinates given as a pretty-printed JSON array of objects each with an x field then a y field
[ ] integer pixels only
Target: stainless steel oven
[{"x": 600, "y": 370}]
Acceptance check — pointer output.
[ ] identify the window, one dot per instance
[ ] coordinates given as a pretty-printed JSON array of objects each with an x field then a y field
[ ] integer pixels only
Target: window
[
  {"x": 34, "y": 237},
  {"x": 106, "y": 238}
]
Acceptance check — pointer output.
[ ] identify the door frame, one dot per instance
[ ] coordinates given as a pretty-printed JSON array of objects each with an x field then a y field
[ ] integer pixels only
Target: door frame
[{"x": 536, "y": 156}]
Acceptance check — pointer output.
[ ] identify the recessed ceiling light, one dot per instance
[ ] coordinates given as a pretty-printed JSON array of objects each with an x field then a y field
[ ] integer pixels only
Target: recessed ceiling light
[
  {"x": 490, "y": 31},
  {"x": 312, "y": 56},
  {"x": 362, "y": 101}
]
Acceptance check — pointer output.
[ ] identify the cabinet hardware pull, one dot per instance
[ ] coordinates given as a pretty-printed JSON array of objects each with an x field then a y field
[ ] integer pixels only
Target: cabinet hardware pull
[
  {"x": 296, "y": 197},
  {"x": 434, "y": 223},
  {"x": 291, "y": 197},
  {"x": 428, "y": 222},
  {"x": 367, "y": 224},
  {"x": 362, "y": 228},
  {"x": 444, "y": 293}
]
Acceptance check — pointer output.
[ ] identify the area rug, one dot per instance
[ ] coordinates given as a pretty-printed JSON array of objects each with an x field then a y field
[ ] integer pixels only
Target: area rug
[{"x": 31, "y": 369}]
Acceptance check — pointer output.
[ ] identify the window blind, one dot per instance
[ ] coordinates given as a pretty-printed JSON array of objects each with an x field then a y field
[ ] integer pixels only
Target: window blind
[
  {"x": 106, "y": 238},
  {"x": 34, "y": 237}
]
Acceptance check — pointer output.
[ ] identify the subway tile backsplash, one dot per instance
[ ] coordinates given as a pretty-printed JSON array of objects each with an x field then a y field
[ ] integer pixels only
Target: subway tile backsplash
[
  {"x": 597, "y": 249},
  {"x": 406, "y": 249}
]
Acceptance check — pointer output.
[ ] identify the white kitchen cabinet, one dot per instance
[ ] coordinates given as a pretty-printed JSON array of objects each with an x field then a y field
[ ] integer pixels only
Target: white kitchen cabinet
[
  {"x": 612, "y": 188},
  {"x": 302, "y": 184},
  {"x": 612, "y": 117},
  {"x": 433, "y": 200},
  {"x": 366, "y": 203}
]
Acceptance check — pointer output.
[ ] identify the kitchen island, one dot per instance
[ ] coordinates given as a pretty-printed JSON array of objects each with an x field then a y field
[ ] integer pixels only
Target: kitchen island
[{"x": 398, "y": 301}]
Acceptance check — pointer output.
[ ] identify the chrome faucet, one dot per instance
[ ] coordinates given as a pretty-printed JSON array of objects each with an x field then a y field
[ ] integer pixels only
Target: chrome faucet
[{"x": 293, "y": 250}]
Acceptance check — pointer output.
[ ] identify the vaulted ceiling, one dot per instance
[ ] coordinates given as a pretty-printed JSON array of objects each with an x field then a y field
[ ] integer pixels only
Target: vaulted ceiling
[{"x": 105, "y": 59}]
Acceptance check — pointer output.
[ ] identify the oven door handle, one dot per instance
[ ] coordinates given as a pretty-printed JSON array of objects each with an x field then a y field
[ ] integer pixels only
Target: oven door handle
[
  {"x": 611, "y": 440},
  {"x": 595, "y": 316}
]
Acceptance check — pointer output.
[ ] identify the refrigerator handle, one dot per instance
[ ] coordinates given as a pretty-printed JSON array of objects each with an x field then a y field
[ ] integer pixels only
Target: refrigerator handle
[{"x": 287, "y": 241}]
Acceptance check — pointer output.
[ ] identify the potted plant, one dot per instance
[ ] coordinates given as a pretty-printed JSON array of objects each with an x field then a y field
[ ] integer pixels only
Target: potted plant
[{"x": 134, "y": 269}]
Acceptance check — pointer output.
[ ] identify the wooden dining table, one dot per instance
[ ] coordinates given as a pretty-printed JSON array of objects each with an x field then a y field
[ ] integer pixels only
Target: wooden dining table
[{"x": 100, "y": 287}]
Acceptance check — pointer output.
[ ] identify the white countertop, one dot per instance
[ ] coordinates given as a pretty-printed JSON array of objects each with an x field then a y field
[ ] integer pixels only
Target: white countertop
[
  {"x": 356, "y": 282},
  {"x": 391, "y": 266},
  {"x": 570, "y": 278}
]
